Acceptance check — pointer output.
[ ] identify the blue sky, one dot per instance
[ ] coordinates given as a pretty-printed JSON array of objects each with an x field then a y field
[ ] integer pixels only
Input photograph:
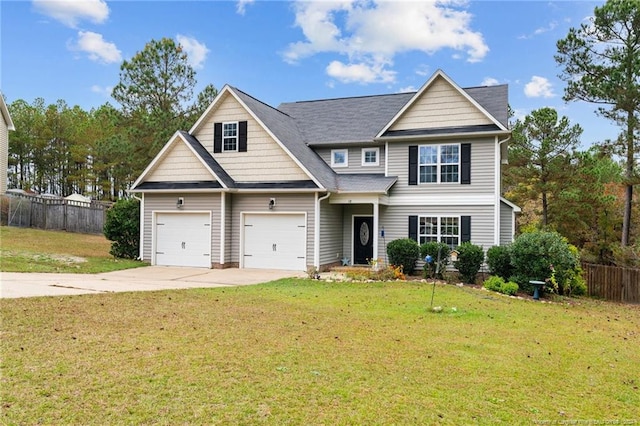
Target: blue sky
[{"x": 281, "y": 51}]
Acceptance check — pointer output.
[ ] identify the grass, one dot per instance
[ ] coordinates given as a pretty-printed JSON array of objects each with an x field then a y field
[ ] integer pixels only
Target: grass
[
  {"x": 310, "y": 352},
  {"x": 35, "y": 250}
]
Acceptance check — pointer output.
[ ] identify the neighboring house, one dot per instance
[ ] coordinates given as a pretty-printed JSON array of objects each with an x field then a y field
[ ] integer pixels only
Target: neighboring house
[
  {"x": 5, "y": 125},
  {"x": 321, "y": 182}
]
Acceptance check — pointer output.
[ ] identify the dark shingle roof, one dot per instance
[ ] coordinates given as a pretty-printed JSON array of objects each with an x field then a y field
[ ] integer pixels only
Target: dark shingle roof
[
  {"x": 376, "y": 183},
  {"x": 208, "y": 159}
]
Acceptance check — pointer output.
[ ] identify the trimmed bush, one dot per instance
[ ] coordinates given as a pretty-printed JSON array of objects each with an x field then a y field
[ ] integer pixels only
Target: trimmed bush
[
  {"x": 437, "y": 251},
  {"x": 122, "y": 226},
  {"x": 536, "y": 255},
  {"x": 404, "y": 252},
  {"x": 499, "y": 261},
  {"x": 497, "y": 284},
  {"x": 509, "y": 288},
  {"x": 470, "y": 258}
]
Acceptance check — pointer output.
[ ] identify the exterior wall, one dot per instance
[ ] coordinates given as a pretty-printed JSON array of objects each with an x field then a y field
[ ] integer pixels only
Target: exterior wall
[
  {"x": 179, "y": 164},
  {"x": 355, "y": 160},
  {"x": 264, "y": 160},
  {"x": 440, "y": 105},
  {"x": 258, "y": 203},
  {"x": 396, "y": 222},
  {"x": 506, "y": 224},
  {"x": 192, "y": 202},
  {"x": 4, "y": 153},
  {"x": 347, "y": 225},
  {"x": 331, "y": 244},
  {"x": 481, "y": 189}
]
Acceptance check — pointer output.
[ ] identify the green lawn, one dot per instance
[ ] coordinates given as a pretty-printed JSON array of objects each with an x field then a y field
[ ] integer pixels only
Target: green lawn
[
  {"x": 36, "y": 250},
  {"x": 309, "y": 352}
]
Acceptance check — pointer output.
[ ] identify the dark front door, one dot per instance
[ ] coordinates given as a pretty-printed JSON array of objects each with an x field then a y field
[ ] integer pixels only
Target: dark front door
[{"x": 362, "y": 240}]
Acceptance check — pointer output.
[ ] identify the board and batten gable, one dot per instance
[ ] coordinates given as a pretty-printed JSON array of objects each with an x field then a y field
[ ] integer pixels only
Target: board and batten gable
[
  {"x": 259, "y": 203},
  {"x": 179, "y": 164},
  {"x": 154, "y": 203},
  {"x": 264, "y": 161},
  {"x": 354, "y": 159},
  {"x": 440, "y": 105}
]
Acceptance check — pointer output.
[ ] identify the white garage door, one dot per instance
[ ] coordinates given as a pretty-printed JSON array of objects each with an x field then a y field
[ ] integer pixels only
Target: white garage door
[
  {"x": 275, "y": 241},
  {"x": 183, "y": 239}
]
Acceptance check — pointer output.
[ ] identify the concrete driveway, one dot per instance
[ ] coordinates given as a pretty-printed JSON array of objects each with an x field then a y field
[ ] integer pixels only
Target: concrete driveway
[{"x": 149, "y": 278}]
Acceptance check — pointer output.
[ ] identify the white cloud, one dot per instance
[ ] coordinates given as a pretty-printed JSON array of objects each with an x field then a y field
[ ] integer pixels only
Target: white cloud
[
  {"x": 407, "y": 89},
  {"x": 105, "y": 91},
  {"x": 360, "y": 73},
  {"x": 541, "y": 30},
  {"x": 242, "y": 5},
  {"x": 96, "y": 47},
  {"x": 423, "y": 70},
  {"x": 538, "y": 87},
  {"x": 371, "y": 33},
  {"x": 70, "y": 12},
  {"x": 196, "y": 51},
  {"x": 489, "y": 81}
]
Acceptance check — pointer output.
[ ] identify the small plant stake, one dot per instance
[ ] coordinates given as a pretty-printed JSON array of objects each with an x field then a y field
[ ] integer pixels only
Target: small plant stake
[{"x": 429, "y": 260}]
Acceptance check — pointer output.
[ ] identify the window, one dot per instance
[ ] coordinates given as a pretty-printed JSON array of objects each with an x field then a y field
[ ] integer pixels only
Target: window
[
  {"x": 230, "y": 136},
  {"x": 441, "y": 229},
  {"x": 339, "y": 157},
  {"x": 439, "y": 163},
  {"x": 370, "y": 156}
]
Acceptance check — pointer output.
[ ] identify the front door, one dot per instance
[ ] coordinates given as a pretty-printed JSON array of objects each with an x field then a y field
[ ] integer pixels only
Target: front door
[{"x": 362, "y": 239}]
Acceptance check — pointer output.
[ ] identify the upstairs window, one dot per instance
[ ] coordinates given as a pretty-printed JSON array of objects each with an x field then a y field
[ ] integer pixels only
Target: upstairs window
[
  {"x": 439, "y": 163},
  {"x": 370, "y": 156},
  {"x": 339, "y": 158},
  {"x": 230, "y": 136}
]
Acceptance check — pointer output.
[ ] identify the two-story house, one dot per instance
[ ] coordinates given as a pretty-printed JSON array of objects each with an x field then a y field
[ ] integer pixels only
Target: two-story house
[{"x": 319, "y": 182}]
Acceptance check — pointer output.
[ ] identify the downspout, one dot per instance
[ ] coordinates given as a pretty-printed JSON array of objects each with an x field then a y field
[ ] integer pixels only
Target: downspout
[
  {"x": 140, "y": 243},
  {"x": 498, "y": 183},
  {"x": 316, "y": 231}
]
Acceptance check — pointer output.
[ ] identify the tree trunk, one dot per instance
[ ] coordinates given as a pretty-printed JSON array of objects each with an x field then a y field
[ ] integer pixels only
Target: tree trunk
[
  {"x": 545, "y": 207},
  {"x": 628, "y": 199}
]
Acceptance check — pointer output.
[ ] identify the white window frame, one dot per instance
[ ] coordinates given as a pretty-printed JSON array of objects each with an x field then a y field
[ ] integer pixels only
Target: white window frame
[
  {"x": 235, "y": 137},
  {"x": 439, "y": 164},
  {"x": 364, "y": 156},
  {"x": 439, "y": 235},
  {"x": 345, "y": 152}
]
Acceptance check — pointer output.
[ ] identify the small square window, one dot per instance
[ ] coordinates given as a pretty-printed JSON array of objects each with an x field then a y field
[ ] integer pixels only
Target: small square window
[
  {"x": 339, "y": 158},
  {"x": 230, "y": 136},
  {"x": 370, "y": 156}
]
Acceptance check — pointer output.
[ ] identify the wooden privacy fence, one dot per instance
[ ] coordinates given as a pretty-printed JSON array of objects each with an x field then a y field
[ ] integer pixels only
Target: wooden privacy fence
[
  {"x": 57, "y": 214},
  {"x": 613, "y": 283}
]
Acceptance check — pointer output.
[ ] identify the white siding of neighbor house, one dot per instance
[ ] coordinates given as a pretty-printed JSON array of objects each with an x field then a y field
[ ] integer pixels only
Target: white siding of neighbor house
[
  {"x": 192, "y": 202},
  {"x": 506, "y": 224},
  {"x": 331, "y": 248},
  {"x": 259, "y": 203},
  {"x": 264, "y": 161},
  {"x": 179, "y": 164},
  {"x": 440, "y": 105},
  {"x": 396, "y": 221},
  {"x": 355, "y": 160},
  {"x": 482, "y": 171},
  {"x": 4, "y": 153}
]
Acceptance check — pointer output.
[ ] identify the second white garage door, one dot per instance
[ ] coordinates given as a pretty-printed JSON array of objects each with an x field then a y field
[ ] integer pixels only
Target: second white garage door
[
  {"x": 275, "y": 241},
  {"x": 183, "y": 239}
]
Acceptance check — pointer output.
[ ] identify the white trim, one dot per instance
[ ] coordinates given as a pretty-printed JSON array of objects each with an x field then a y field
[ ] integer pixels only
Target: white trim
[
  {"x": 515, "y": 208},
  {"x": 359, "y": 198},
  {"x": 345, "y": 151},
  {"x": 386, "y": 158},
  {"x": 4, "y": 110},
  {"x": 316, "y": 228},
  {"x": 243, "y": 214},
  {"x": 418, "y": 94},
  {"x": 161, "y": 156},
  {"x": 236, "y": 137},
  {"x": 141, "y": 248},
  {"x": 154, "y": 239},
  {"x": 376, "y": 234},
  {"x": 364, "y": 151},
  {"x": 496, "y": 191},
  {"x": 442, "y": 200},
  {"x": 439, "y": 236},
  {"x": 223, "y": 226}
]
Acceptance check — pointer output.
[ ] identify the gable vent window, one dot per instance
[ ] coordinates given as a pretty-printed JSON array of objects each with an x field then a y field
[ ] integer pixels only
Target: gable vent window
[{"x": 230, "y": 136}]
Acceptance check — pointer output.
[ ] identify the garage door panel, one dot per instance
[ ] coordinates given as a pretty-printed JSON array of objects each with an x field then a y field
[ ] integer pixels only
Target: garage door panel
[
  {"x": 276, "y": 241},
  {"x": 183, "y": 239}
]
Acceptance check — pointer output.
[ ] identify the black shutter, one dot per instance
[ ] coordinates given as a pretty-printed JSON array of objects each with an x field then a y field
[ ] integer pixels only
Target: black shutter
[
  {"x": 465, "y": 163},
  {"x": 465, "y": 229},
  {"x": 413, "y": 165},
  {"x": 217, "y": 137},
  {"x": 413, "y": 227},
  {"x": 242, "y": 136}
]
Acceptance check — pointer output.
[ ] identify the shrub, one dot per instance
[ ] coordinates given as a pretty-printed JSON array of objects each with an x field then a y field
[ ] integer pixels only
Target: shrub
[
  {"x": 437, "y": 251},
  {"x": 122, "y": 226},
  {"x": 499, "y": 261},
  {"x": 496, "y": 283},
  {"x": 404, "y": 252},
  {"x": 536, "y": 255},
  {"x": 470, "y": 258}
]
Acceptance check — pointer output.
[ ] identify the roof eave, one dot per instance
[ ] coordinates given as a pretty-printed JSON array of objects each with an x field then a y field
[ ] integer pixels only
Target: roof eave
[{"x": 442, "y": 136}]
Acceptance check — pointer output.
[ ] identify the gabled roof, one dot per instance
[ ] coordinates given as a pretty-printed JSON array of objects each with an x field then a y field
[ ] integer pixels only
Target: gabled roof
[
  {"x": 4, "y": 111},
  {"x": 365, "y": 183},
  {"x": 217, "y": 172}
]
